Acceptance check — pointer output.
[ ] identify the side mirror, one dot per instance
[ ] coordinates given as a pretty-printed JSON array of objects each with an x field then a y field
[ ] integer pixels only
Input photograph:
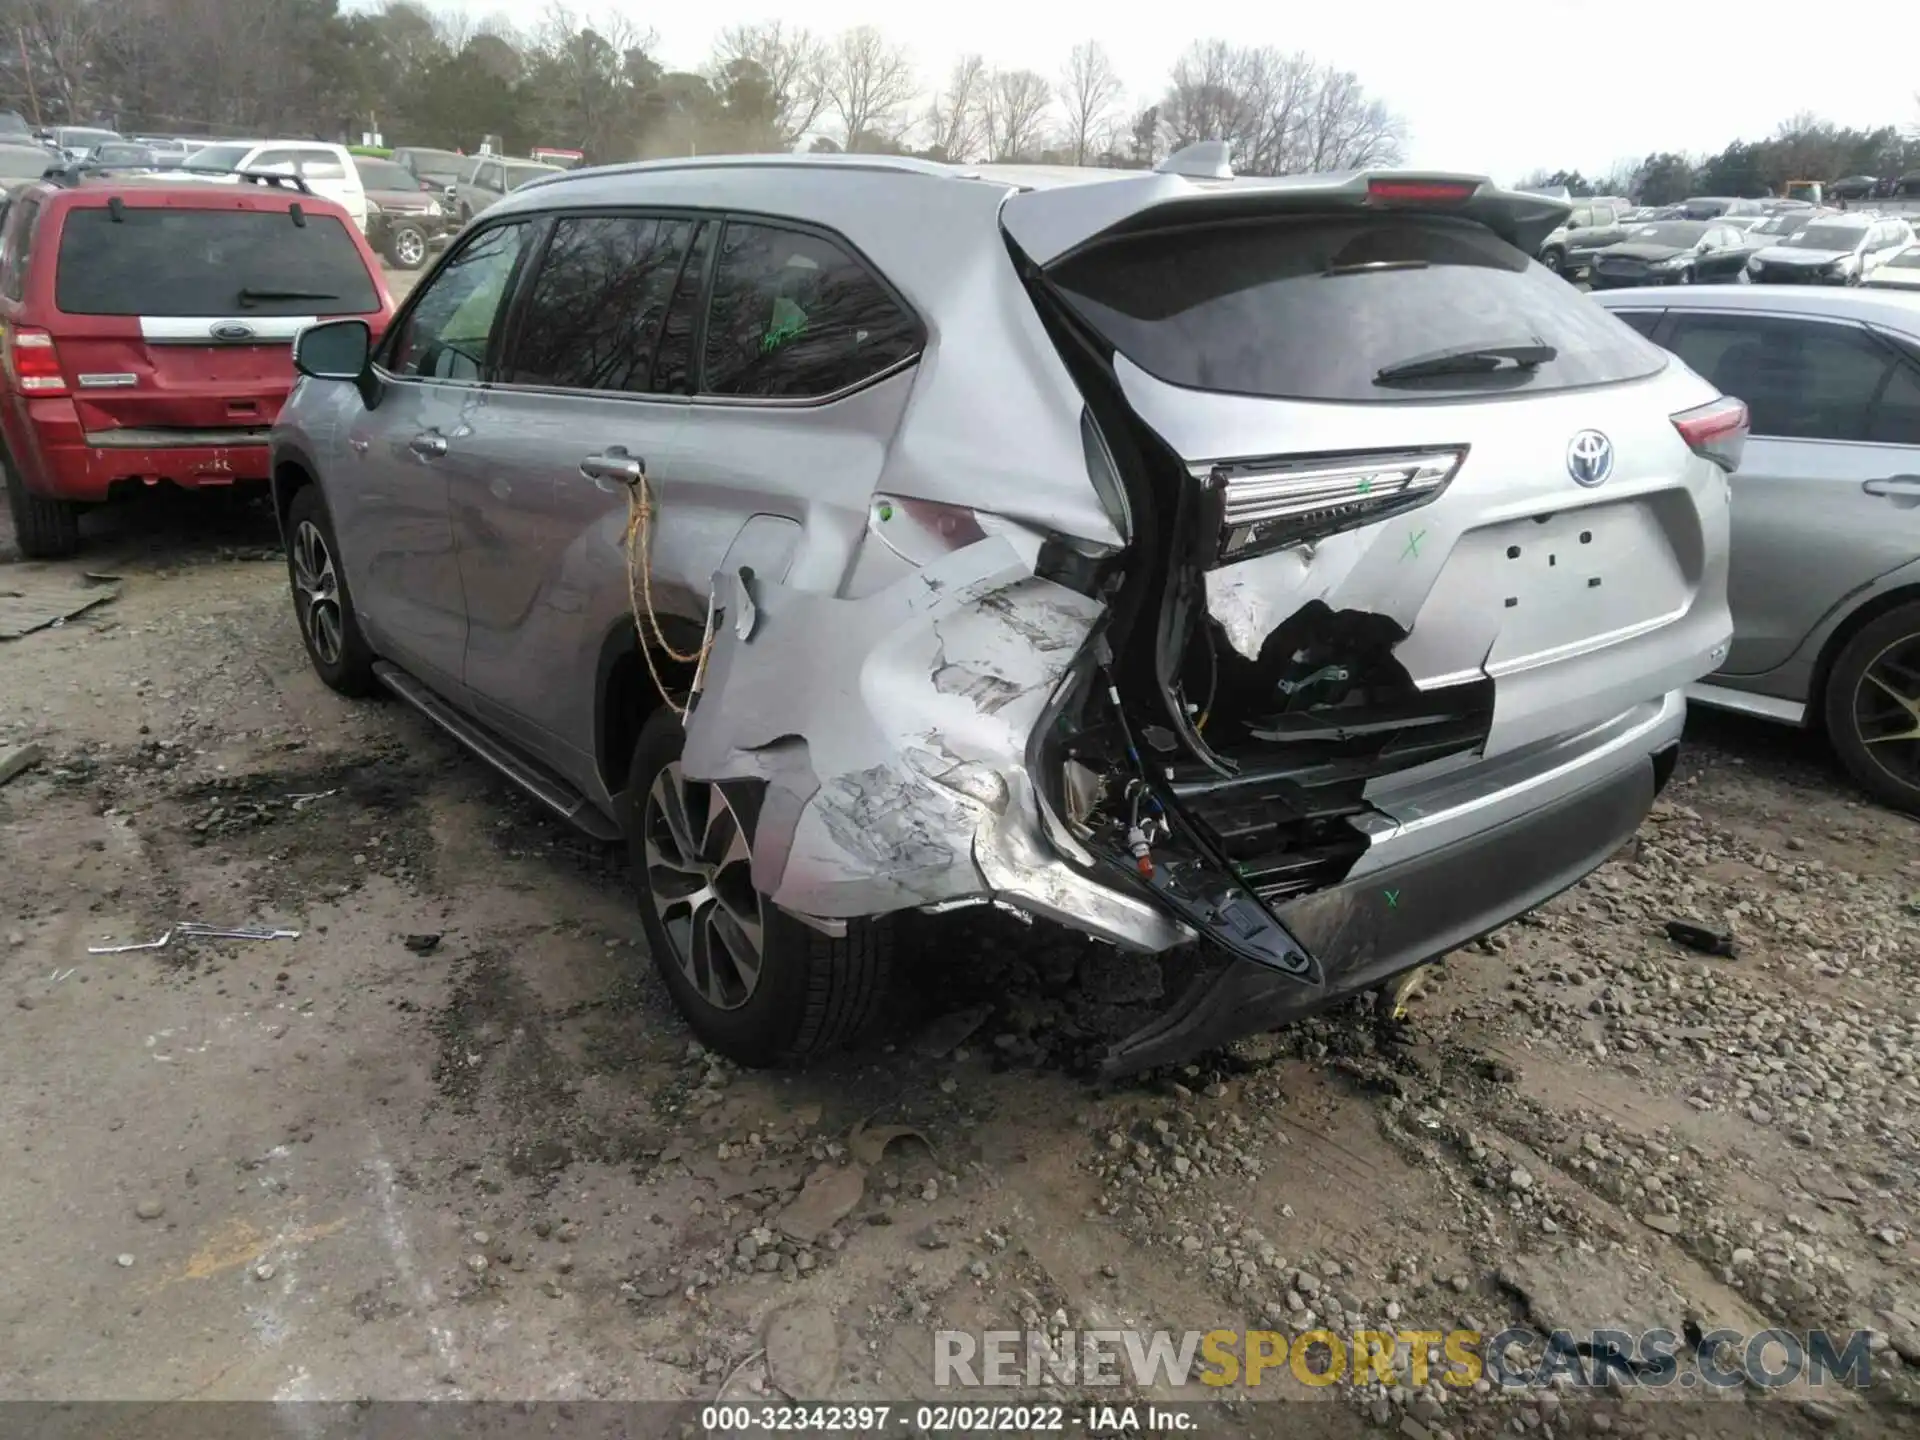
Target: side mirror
[{"x": 336, "y": 350}]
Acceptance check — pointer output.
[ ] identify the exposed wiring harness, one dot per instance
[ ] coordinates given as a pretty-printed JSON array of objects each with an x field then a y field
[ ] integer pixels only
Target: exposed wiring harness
[{"x": 638, "y": 544}]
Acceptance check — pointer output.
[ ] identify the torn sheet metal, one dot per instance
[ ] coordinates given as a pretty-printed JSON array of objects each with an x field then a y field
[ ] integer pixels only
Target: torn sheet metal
[
  {"x": 194, "y": 930},
  {"x": 890, "y": 728}
]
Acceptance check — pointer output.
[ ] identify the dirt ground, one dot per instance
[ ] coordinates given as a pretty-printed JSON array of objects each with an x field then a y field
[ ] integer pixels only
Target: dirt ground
[{"x": 365, "y": 1163}]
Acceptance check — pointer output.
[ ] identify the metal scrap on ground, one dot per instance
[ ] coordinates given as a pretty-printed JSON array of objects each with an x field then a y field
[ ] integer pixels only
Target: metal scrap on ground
[
  {"x": 194, "y": 930},
  {"x": 32, "y": 602},
  {"x": 16, "y": 762}
]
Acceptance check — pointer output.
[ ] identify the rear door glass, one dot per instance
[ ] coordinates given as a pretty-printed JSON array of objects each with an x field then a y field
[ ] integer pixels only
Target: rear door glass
[
  {"x": 595, "y": 308},
  {"x": 154, "y": 261},
  {"x": 1314, "y": 308},
  {"x": 1802, "y": 380},
  {"x": 795, "y": 316}
]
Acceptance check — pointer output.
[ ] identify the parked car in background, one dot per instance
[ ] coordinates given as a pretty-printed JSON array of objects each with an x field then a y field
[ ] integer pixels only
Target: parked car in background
[
  {"x": 147, "y": 322},
  {"x": 24, "y": 164},
  {"x": 438, "y": 168},
  {"x": 168, "y": 151},
  {"x": 406, "y": 220},
  {"x": 1825, "y": 578},
  {"x": 1671, "y": 252},
  {"x": 123, "y": 154},
  {"x": 1852, "y": 187},
  {"x": 1832, "y": 250},
  {"x": 1590, "y": 226},
  {"x": 1713, "y": 207},
  {"x": 14, "y": 129},
  {"x": 77, "y": 142},
  {"x": 1410, "y": 644},
  {"x": 326, "y": 169},
  {"x": 1898, "y": 272},
  {"x": 489, "y": 179}
]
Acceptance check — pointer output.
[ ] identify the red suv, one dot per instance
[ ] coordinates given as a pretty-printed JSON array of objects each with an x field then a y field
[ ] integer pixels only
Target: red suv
[{"x": 146, "y": 328}]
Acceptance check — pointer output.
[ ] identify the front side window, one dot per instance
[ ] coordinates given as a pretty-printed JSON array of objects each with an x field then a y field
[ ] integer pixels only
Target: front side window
[
  {"x": 595, "y": 308},
  {"x": 446, "y": 335},
  {"x": 794, "y": 316},
  {"x": 321, "y": 165},
  {"x": 1802, "y": 380},
  {"x": 286, "y": 160}
]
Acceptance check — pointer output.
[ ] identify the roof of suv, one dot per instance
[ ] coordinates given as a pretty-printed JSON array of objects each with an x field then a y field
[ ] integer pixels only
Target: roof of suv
[
  {"x": 1886, "y": 306},
  {"x": 183, "y": 191},
  {"x": 1091, "y": 202}
]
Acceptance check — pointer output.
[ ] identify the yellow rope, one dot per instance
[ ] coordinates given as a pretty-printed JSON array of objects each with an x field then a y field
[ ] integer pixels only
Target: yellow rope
[{"x": 638, "y": 543}]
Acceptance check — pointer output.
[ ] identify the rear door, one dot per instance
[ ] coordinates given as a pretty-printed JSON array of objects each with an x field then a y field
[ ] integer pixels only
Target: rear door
[
  {"x": 540, "y": 539},
  {"x": 1818, "y": 507},
  {"x": 1563, "y": 540},
  {"x": 175, "y": 324}
]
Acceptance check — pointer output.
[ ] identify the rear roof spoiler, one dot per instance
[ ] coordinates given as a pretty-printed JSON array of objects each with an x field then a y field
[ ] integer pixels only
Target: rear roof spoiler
[{"x": 1050, "y": 224}]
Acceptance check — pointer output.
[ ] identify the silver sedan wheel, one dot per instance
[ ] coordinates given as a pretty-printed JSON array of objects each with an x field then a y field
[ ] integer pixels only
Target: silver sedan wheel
[
  {"x": 700, "y": 878},
  {"x": 317, "y": 590},
  {"x": 1886, "y": 710}
]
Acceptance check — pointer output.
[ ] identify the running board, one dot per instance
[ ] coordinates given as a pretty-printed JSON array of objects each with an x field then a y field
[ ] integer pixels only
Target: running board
[{"x": 549, "y": 789}]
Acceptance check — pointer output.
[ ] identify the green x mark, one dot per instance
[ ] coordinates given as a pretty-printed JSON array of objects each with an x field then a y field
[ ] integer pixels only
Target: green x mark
[
  {"x": 1365, "y": 487},
  {"x": 1393, "y": 899},
  {"x": 1413, "y": 545}
]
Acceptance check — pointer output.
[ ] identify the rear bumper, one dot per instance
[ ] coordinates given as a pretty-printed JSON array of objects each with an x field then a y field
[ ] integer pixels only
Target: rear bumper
[
  {"x": 1474, "y": 864},
  {"x": 91, "y": 473}
]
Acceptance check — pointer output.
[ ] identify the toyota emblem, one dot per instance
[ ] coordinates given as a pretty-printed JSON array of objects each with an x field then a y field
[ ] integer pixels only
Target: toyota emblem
[
  {"x": 232, "y": 330},
  {"x": 1589, "y": 458}
]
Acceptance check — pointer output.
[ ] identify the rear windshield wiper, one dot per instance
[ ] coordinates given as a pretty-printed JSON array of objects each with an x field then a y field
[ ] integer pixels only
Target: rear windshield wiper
[
  {"x": 246, "y": 295},
  {"x": 1469, "y": 360}
]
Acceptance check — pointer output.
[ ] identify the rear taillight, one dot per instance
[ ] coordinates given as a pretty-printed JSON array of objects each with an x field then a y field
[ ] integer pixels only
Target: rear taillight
[
  {"x": 33, "y": 363},
  {"x": 1420, "y": 192},
  {"x": 1717, "y": 430},
  {"x": 1265, "y": 506}
]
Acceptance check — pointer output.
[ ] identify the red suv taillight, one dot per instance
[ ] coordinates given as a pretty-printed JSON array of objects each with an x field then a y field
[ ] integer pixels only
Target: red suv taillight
[
  {"x": 1717, "y": 430},
  {"x": 33, "y": 364}
]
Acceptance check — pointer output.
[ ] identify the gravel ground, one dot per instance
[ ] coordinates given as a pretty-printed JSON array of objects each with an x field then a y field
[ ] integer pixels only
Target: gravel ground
[{"x": 491, "y": 1164}]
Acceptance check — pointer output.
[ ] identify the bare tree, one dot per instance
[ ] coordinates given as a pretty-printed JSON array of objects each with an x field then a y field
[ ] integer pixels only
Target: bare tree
[
  {"x": 1279, "y": 113},
  {"x": 1348, "y": 131},
  {"x": 956, "y": 121},
  {"x": 794, "y": 61},
  {"x": 1016, "y": 113},
  {"x": 866, "y": 80},
  {"x": 1090, "y": 89}
]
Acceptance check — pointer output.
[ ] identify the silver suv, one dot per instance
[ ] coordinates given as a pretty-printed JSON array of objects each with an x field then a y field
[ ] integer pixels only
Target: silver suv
[{"x": 1288, "y": 576}]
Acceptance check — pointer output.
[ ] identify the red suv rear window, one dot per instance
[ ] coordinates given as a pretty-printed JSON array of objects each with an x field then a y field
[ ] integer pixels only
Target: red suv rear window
[{"x": 153, "y": 261}]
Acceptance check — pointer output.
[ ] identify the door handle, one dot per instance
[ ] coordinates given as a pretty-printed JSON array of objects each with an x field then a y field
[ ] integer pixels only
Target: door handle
[
  {"x": 1901, "y": 485},
  {"x": 428, "y": 443},
  {"x": 614, "y": 463}
]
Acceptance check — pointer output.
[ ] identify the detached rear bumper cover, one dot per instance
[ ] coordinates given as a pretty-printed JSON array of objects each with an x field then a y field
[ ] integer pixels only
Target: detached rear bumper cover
[
  {"x": 891, "y": 731},
  {"x": 1371, "y": 928}
]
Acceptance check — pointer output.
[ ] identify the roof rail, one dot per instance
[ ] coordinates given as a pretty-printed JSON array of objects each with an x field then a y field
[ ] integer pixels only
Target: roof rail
[
  {"x": 1202, "y": 160},
  {"x": 275, "y": 178}
]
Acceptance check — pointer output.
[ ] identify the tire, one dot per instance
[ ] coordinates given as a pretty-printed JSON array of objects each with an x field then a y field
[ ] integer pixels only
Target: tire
[
  {"x": 44, "y": 528},
  {"x": 322, "y": 604},
  {"x": 407, "y": 247},
  {"x": 1554, "y": 260},
  {"x": 1874, "y": 730},
  {"x": 811, "y": 993}
]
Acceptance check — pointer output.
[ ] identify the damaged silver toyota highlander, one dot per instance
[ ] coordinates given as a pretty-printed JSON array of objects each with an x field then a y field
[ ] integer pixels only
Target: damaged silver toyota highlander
[{"x": 1288, "y": 576}]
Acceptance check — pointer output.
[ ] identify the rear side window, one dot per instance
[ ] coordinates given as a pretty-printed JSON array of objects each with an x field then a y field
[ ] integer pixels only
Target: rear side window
[
  {"x": 1642, "y": 320},
  {"x": 1316, "y": 308},
  {"x": 209, "y": 262},
  {"x": 1802, "y": 380},
  {"x": 594, "y": 313},
  {"x": 794, "y": 316},
  {"x": 13, "y": 276}
]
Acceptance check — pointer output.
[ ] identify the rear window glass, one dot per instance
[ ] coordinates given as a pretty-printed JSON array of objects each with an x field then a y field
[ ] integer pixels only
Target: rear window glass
[
  {"x": 209, "y": 262},
  {"x": 217, "y": 157},
  {"x": 1828, "y": 237},
  {"x": 1314, "y": 309}
]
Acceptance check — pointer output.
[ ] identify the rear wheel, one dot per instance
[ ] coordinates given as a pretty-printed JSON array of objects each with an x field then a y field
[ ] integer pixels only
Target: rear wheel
[
  {"x": 322, "y": 604},
  {"x": 1554, "y": 260},
  {"x": 1873, "y": 708},
  {"x": 754, "y": 983},
  {"x": 44, "y": 528},
  {"x": 407, "y": 247}
]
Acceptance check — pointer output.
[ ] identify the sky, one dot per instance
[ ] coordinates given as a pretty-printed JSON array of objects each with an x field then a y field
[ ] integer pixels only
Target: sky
[{"x": 1486, "y": 86}]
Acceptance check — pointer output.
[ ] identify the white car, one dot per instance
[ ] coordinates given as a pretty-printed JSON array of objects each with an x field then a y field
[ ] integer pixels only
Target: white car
[
  {"x": 1901, "y": 272},
  {"x": 1833, "y": 250},
  {"x": 327, "y": 169}
]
